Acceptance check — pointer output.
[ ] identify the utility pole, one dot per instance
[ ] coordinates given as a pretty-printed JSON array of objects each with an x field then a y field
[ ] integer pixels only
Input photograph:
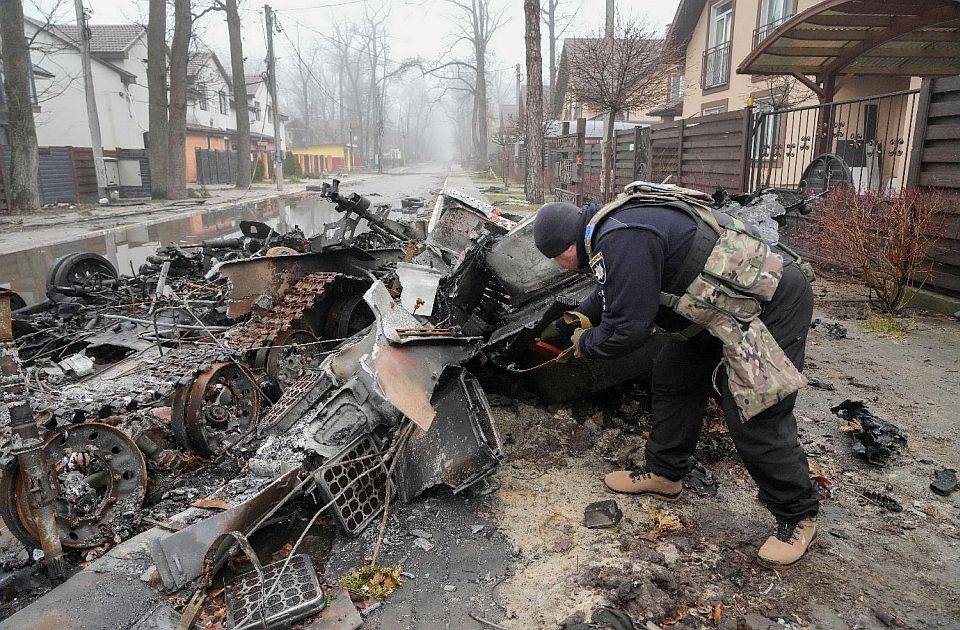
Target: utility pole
[
  {"x": 93, "y": 118},
  {"x": 610, "y": 17},
  {"x": 272, "y": 76},
  {"x": 519, "y": 101}
]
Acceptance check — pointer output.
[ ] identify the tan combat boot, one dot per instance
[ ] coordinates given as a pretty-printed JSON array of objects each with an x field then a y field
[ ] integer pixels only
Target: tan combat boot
[
  {"x": 788, "y": 545},
  {"x": 642, "y": 481}
]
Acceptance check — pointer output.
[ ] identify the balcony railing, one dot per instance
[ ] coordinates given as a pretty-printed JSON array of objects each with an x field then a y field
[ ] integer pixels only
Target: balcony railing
[
  {"x": 716, "y": 65},
  {"x": 763, "y": 32}
]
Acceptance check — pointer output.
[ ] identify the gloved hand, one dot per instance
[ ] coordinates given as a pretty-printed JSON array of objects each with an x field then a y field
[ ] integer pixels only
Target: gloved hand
[
  {"x": 580, "y": 324},
  {"x": 557, "y": 332},
  {"x": 575, "y": 340}
]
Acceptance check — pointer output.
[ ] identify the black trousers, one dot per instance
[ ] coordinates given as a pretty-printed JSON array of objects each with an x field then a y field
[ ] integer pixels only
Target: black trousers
[{"x": 768, "y": 443}]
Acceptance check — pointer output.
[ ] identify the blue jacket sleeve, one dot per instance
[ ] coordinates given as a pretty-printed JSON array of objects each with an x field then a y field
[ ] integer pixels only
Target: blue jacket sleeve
[
  {"x": 592, "y": 307},
  {"x": 629, "y": 294}
]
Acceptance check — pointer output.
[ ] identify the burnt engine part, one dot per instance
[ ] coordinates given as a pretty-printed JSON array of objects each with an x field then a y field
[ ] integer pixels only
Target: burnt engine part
[
  {"x": 100, "y": 478},
  {"x": 215, "y": 409}
]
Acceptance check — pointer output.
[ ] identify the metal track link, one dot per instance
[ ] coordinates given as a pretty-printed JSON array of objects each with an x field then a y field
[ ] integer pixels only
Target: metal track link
[{"x": 302, "y": 296}]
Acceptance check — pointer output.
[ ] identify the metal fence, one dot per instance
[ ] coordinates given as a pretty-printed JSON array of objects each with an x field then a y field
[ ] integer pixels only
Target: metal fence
[{"x": 864, "y": 143}]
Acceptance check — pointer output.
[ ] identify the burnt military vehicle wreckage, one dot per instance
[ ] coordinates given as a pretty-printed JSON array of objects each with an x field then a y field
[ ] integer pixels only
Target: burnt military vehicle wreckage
[{"x": 343, "y": 367}]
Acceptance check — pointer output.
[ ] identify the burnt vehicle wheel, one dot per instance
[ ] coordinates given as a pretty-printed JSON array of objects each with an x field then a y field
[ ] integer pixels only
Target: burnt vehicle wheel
[
  {"x": 347, "y": 315},
  {"x": 291, "y": 353},
  {"x": 8, "y": 505},
  {"x": 214, "y": 410},
  {"x": 79, "y": 271},
  {"x": 100, "y": 476},
  {"x": 825, "y": 172}
]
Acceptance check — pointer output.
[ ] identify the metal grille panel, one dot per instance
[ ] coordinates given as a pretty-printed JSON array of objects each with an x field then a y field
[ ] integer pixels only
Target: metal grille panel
[
  {"x": 357, "y": 499},
  {"x": 297, "y": 596}
]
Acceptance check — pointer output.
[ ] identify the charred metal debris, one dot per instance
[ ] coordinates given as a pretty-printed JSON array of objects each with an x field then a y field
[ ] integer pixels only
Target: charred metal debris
[{"x": 337, "y": 367}]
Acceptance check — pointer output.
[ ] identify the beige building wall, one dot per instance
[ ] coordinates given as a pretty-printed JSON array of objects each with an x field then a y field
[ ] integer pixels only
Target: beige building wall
[{"x": 734, "y": 94}]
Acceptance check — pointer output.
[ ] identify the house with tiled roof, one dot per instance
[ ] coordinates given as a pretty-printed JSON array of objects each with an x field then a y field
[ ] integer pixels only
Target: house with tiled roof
[
  {"x": 119, "y": 53},
  {"x": 565, "y": 104}
]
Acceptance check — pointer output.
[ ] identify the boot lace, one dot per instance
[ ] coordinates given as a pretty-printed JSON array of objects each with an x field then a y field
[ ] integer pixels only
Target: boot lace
[
  {"x": 639, "y": 471},
  {"x": 787, "y": 532}
]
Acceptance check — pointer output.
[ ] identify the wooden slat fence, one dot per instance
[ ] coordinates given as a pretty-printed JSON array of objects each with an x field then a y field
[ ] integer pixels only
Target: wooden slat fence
[
  {"x": 702, "y": 152},
  {"x": 936, "y": 163}
]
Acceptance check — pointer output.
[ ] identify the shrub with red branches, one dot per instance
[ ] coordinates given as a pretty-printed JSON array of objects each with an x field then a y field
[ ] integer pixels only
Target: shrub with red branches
[{"x": 886, "y": 241}]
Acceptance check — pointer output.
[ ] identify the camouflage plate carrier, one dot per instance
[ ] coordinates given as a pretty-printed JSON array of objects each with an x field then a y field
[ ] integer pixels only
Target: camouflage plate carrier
[{"x": 731, "y": 273}]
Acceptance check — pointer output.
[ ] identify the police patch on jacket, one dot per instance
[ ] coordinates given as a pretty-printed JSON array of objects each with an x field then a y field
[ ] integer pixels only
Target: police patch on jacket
[{"x": 598, "y": 267}]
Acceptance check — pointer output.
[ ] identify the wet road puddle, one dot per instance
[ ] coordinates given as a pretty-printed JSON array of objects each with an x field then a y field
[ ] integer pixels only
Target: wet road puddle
[{"x": 127, "y": 247}]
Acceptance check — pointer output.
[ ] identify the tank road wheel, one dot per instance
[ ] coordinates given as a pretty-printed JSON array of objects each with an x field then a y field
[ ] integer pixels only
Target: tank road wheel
[
  {"x": 212, "y": 413},
  {"x": 100, "y": 476},
  {"x": 290, "y": 354},
  {"x": 348, "y": 314},
  {"x": 8, "y": 505}
]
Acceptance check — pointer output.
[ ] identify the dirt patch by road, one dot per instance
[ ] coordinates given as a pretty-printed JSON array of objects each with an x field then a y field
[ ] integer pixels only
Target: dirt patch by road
[{"x": 871, "y": 568}]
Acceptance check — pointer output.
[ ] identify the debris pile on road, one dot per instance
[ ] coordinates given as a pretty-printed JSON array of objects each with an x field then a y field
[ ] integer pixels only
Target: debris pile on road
[
  {"x": 224, "y": 381},
  {"x": 871, "y": 438}
]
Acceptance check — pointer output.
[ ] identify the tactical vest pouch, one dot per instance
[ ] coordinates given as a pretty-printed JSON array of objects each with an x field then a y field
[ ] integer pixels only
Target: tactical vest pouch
[
  {"x": 746, "y": 263},
  {"x": 759, "y": 373}
]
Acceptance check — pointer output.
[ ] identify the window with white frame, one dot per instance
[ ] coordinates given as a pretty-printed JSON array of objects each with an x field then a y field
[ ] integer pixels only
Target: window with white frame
[
  {"x": 716, "y": 59},
  {"x": 716, "y": 109},
  {"x": 202, "y": 98},
  {"x": 676, "y": 88},
  {"x": 767, "y": 139},
  {"x": 773, "y": 13}
]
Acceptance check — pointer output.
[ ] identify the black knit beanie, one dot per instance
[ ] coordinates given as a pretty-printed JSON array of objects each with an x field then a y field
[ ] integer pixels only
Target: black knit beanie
[{"x": 557, "y": 227}]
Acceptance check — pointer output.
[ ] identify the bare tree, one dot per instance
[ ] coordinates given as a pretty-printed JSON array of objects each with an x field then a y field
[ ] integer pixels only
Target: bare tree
[
  {"x": 480, "y": 23},
  {"x": 557, "y": 24},
  {"x": 157, "y": 96},
  {"x": 239, "y": 81},
  {"x": 618, "y": 74},
  {"x": 24, "y": 184},
  {"x": 176, "y": 141},
  {"x": 533, "y": 135}
]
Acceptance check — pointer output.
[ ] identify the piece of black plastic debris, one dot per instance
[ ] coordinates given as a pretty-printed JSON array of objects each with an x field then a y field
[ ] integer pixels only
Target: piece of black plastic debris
[
  {"x": 839, "y": 533},
  {"x": 834, "y": 331},
  {"x": 602, "y": 514},
  {"x": 875, "y": 439},
  {"x": 701, "y": 481},
  {"x": 945, "y": 481}
]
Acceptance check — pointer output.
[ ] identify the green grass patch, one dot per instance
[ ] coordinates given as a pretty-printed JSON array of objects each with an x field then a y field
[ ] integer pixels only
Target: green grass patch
[
  {"x": 486, "y": 179},
  {"x": 496, "y": 200},
  {"x": 887, "y": 326},
  {"x": 377, "y": 582}
]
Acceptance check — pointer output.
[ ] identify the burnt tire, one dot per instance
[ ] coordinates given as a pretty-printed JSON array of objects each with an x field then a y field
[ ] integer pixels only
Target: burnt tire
[{"x": 78, "y": 270}]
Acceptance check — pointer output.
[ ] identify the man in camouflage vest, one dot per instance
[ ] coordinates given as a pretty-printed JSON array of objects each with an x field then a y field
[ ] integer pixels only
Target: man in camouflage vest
[{"x": 641, "y": 252}]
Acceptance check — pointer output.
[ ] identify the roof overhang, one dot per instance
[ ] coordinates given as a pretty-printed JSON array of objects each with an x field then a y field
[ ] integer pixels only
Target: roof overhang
[{"x": 863, "y": 38}]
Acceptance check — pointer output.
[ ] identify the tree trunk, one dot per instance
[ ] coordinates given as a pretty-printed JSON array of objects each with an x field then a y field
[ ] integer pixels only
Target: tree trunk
[
  {"x": 482, "y": 133},
  {"x": 239, "y": 95},
  {"x": 24, "y": 183},
  {"x": 608, "y": 157},
  {"x": 552, "y": 36},
  {"x": 157, "y": 97},
  {"x": 176, "y": 143},
  {"x": 533, "y": 134}
]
